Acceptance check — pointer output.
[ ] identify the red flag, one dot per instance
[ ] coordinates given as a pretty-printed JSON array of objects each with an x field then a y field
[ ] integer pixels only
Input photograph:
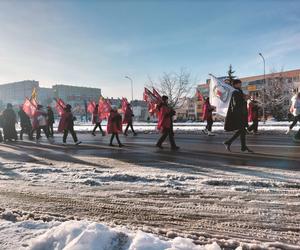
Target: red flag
[
  {"x": 152, "y": 101},
  {"x": 124, "y": 104},
  {"x": 199, "y": 95},
  {"x": 60, "y": 106},
  {"x": 30, "y": 107},
  {"x": 91, "y": 107},
  {"x": 104, "y": 108},
  {"x": 157, "y": 95}
]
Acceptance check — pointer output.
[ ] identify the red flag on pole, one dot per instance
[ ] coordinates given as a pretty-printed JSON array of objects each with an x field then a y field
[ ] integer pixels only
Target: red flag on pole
[
  {"x": 91, "y": 107},
  {"x": 157, "y": 95},
  {"x": 60, "y": 106},
  {"x": 104, "y": 108},
  {"x": 30, "y": 107},
  {"x": 124, "y": 104},
  {"x": 152, "y": 100}
]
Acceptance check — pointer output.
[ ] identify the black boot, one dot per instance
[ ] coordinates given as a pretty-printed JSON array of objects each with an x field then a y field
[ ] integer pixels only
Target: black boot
[
  {"x": 227, "y": 145},
  {"x": 244, "y": 149}
]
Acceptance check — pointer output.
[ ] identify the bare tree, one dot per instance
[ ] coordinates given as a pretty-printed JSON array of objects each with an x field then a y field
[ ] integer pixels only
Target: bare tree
[
  {"x": 177, "y": 86},
  {"x": 277, "y": 95}
]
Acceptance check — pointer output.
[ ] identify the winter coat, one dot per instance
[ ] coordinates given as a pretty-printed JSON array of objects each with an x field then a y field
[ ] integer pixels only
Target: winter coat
[
  {"x": 9, "y": 120},
  {"x": 24, "y": 120},
  {"x": 114, "y": 123},
  {"x": 66, "y": 121},
  {"x": 50, "y": 116},
  {"x": 39, "y": 119},
  {"x": 128, "y": 116},
  {"x": 207, "y": 111},
  {"x": 253, "y": 111},
  {"x": 237, "y": 114},
  {"x": 164, "y": 118}
]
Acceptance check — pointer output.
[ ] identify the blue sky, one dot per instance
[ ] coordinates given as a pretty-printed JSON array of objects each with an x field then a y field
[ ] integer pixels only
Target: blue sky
[{"x": 96, "y": 43}]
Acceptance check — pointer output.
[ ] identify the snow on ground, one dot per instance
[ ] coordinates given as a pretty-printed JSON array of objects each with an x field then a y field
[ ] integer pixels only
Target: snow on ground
[
  {"x": 84, "y": 235},
  {"x": 192, "y": 126},
  {"x": 119, "y": 173}
]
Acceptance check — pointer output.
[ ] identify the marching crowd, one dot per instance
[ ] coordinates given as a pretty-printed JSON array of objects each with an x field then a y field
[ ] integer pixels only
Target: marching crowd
[{"x": 241, "y": 111}]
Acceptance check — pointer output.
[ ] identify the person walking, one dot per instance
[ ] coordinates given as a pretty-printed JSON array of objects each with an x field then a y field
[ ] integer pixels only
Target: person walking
[
  {"x": 50, "y": 119},
  {"x": 207, "y": 116},
  {"x": 66, "y": 125},
  {"x": 9, "y": 120},
  {"x": 253, "y": 108},
  {"x": 25, "y": 124},
  {"x": 236, "y": 119},
  {"x": 114, "y": 126},
  {"x": 295, "y": 110},
  {"x": 128, "y": 119},
  {"x": 40, "y": 123},
  {"x": 97, "y": 121},
  {"x": 165, "y": 124}
]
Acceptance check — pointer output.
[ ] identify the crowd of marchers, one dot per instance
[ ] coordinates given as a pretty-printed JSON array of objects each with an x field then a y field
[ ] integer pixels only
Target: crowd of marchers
[{"x": 242, "y": 110}]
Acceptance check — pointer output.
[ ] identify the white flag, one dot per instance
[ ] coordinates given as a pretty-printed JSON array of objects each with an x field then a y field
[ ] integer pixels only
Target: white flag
[{"x": 219, "y": 95}]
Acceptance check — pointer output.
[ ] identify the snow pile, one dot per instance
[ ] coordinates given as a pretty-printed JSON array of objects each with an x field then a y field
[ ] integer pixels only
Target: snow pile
[{"x": 82, "y": 235}]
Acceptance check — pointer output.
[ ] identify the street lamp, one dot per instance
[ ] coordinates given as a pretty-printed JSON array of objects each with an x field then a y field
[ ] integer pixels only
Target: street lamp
[
  {"x": 131, "y": 86},
  {"x": 260, "y": 54}
]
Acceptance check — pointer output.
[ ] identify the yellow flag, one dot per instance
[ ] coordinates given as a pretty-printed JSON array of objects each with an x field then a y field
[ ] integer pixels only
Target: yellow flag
[{"x": 33, "y": 94}]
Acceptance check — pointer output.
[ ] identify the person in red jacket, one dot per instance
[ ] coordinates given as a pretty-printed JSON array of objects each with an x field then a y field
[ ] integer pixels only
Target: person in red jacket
[
  {"x": 253, "y": 108},
  {"x": 66, "y": 125},
  {"x": 97, "y": 121},
  {"x": 165, "y": 123},
  {"x": 207, "y": 116},
  {"x": 114, "y": 126},
  {"x": 128, "y": 119}
]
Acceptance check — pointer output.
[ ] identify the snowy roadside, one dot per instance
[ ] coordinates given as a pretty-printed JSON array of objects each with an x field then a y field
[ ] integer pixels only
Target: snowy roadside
[
  {"x": 195, "y": 127},
  {"x": 85, "y": 235}
]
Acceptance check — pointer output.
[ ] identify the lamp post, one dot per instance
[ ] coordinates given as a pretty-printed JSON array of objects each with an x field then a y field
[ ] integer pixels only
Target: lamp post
[
  {"x": 260, "y": 54},
  {"x": 131, "y": 86}
]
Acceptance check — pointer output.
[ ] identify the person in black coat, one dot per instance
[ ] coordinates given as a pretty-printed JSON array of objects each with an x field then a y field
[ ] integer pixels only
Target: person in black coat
[
  {"x": 25, "y": 123},
  {"x": 50, "y": 118},
  {"x": 237, "y": 117},
  {"x": 9, "y": 123}
]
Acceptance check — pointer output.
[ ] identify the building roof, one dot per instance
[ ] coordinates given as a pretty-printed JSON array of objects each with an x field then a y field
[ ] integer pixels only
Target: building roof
[{"x": 290, "y": 73}]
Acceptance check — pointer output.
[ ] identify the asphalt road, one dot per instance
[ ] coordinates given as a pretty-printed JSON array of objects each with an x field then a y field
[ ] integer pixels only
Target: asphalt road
[{"x": 272, "y": 151}]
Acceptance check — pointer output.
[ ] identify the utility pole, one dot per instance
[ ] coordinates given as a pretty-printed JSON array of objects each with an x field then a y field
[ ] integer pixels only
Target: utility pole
[
  {"x": 131, "y": 81},
  {"x": 264, "y": 87}
]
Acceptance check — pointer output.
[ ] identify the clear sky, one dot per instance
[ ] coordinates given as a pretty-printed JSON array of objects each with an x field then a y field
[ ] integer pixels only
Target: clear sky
[{"x": 96, "y": 43}]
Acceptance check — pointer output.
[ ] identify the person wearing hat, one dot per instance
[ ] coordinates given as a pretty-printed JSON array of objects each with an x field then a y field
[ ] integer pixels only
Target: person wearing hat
[
  {"x": 237, "y": 117},
  {"x": 9, "y": 120},
  {"x": 50, "y": 119},
  {"x": 40, "y": 123},
  {"x": 25, "y": 124},
  {"x": 128, "y": 119},
  {"x": 66, "y": 125},
  {"x": 114, "y": 126},
  {"x": 165, "y": 124}
]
